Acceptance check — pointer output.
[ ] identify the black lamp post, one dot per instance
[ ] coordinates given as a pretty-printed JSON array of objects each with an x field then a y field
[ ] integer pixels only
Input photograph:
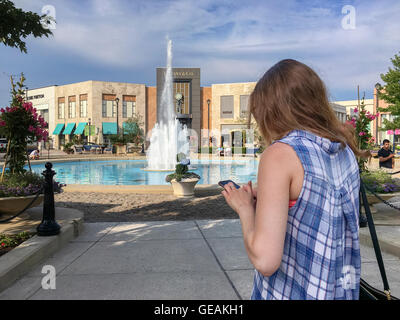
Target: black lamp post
[
  {"x": 89, "y": 129},
  {"x": 26, "y": 93},
  {"x": 117, "y": 100},
  {"x": 378, "y": 87},
  {"x": 208, "y": 120}
]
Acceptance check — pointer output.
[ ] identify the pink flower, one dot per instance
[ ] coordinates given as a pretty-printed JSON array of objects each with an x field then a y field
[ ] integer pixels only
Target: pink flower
[
  {"x": 377, "y": 114},
  {"x": 362, "y": 133},
  {"x": 31, "y": 129},
  {"x": 2, "y": 110},
  {"x": 2, "y": 123},
  {"x": 355, "y": 110}
]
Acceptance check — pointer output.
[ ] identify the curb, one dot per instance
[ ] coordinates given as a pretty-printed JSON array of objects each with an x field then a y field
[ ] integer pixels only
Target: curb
[
  {"x": 385, "y": 245},
  {"x": 20, "y": 260}
]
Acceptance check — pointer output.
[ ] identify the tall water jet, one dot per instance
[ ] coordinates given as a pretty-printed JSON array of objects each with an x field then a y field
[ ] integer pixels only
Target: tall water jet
[{"x": 168, "y": 137}]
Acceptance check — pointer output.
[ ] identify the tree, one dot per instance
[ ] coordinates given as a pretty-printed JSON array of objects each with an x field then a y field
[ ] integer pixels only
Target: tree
[
  {"x": 16, "y": 24},
  {"x": 391, "y": 95},
  {"x": 132, "y": 131},
  {"x": 20, "y": 123}
]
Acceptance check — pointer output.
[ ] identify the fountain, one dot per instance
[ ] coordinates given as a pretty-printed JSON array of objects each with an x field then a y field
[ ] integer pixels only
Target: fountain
[{"x": 168, "y": 137}]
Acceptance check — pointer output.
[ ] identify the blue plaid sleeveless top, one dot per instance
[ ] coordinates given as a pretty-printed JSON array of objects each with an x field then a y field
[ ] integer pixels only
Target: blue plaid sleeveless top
[{"x": 321, "y": 256}]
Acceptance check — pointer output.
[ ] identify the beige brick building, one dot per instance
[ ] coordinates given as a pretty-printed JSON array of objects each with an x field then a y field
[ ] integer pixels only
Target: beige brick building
[{"x": 94, "y": 103}]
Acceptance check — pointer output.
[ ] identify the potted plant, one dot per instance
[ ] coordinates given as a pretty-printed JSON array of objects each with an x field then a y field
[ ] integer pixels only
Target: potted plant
[
  {"x": 134, "y": 134},
  {"x": 182, "y": 180},
  {"x": 20, "y": 123},
  {"x": 119, "y": 142},
  {"x": 67, "y": 148},
  {"x": 18, "y": 190}
]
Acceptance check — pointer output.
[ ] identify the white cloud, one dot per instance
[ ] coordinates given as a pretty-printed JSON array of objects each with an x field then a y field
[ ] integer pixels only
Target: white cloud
[{"x": 228, "y": 40}]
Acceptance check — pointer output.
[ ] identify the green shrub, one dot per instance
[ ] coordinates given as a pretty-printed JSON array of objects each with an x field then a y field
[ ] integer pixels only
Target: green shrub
[{"x": 11, "y": 241}]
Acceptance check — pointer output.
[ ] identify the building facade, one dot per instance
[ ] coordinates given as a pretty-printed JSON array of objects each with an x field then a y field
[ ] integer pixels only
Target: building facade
[
  {"x": 43, "y": 99},
  {"x": 101, "y": 106}
]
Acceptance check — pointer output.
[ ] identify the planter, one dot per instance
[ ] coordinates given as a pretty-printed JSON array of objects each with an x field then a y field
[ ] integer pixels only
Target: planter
[
  {"x": 184, "y": 188},
  {"x": 134, "y": 150},
  {"x": 120, "y": 149},
  {"x": 13, "y": 205},
  {"x": 386, "y": 196}
]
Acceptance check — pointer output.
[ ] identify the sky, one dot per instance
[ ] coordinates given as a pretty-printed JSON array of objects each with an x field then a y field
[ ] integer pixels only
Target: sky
[{"x": 231, "y": 41}]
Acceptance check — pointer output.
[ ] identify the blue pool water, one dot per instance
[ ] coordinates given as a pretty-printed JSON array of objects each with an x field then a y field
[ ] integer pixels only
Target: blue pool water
[{"x": 130, "y": 172}]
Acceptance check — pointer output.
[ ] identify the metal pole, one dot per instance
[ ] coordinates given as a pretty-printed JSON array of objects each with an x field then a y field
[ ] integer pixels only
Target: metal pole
[
  {"x": 377, "y": 118},
  {"x": 48, "y": 226},
  {"x": 208, "y": 120},
  {"x": 117, "y": 100}
]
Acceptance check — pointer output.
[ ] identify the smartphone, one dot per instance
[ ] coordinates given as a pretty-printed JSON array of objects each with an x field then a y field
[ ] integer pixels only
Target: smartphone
[{"x": 224, "y": 182}]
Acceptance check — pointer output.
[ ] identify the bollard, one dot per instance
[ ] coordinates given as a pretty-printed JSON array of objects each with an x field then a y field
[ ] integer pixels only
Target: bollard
[{"x": 48, "y": 226}]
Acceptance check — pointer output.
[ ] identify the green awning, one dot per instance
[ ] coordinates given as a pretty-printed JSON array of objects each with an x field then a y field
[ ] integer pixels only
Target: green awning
[
  {"x": 68, "y": 129},
  {"x": 80, "y": 128},
  {"x": 109, "y": 128},
  {"x": 58, "y": 129}
]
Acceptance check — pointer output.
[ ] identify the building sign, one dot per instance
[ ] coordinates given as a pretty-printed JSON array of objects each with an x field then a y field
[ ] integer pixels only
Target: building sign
[
  {"x": 39, "y": 96},
  {"x": 183, "y": 74}
]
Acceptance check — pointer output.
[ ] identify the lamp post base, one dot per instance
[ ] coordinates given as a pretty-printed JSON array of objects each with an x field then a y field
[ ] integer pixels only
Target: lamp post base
[{"x": 48, "y": 228}]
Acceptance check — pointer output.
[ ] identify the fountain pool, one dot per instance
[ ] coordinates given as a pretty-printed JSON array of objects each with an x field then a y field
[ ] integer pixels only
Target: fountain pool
[{"x": 130, "y": 172}]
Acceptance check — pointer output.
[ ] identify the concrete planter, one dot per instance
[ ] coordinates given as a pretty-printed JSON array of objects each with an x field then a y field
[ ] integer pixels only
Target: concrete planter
[
  {"x": 120, "y": 149},
  {"x": 386, "y": 196},
  {"x": 13, "y": 205},
  {"x": 184, "y": 188}
]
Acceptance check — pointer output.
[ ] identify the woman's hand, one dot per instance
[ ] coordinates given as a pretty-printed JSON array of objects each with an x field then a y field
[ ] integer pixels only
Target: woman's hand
[{"x": 242, "y": 200}]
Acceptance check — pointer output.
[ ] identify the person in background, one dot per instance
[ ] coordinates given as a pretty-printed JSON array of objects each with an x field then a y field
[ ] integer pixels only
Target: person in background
[
  {"x": 386, "y": 156},
  {"x": 34, "y": 155}
]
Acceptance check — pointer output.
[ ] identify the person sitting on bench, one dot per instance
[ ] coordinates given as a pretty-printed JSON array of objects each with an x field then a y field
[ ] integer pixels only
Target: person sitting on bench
[{"x": 386, "y": 156}]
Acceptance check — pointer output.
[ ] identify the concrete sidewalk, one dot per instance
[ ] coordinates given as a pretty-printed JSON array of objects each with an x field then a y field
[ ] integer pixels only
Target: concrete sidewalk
[{"x": 201, "y": 259}]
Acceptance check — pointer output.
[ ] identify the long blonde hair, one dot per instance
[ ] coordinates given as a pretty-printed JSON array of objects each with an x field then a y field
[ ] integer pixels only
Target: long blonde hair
[{"x": 292, "y": 96}]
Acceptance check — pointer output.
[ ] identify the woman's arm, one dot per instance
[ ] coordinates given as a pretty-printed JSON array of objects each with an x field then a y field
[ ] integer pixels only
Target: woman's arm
[{"x": 264, "y": 227}]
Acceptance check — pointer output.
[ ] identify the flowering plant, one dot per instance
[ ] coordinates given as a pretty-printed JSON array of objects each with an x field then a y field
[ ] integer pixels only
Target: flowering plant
[
  {"x": 380, "y": 181},
  {"x": 26, "y": 184},
  {"x": 360, "y": 121},
  {"x": 21, "y": 124}
]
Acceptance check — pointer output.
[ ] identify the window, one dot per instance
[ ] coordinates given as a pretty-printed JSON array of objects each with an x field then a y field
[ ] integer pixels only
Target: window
[
  {"x": 72, "y": 107},
  {"x": 83, "y": 105},
  {"x": 183, "y": 87},
  {"x": 244, "y": 101},
  {"x": 61, "y": 108},
  {"x": 226, "y": 107},
  {"x": 109, "y": 106},
  {"x": 129, "y": 106}
]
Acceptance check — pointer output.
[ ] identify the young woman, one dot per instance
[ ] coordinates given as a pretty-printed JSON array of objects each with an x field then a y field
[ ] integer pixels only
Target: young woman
[{"x": 300, "y": 227}]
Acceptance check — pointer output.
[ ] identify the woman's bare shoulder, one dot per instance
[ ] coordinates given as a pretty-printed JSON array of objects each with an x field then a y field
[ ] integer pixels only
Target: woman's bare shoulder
[
  {"x": 277, "y": 150},
  {"x": 282, "y": 156}
]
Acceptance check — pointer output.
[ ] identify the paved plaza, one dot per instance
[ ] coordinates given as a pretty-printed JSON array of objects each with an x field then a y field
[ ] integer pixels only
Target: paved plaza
[{"x": 197, "y": 259}]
